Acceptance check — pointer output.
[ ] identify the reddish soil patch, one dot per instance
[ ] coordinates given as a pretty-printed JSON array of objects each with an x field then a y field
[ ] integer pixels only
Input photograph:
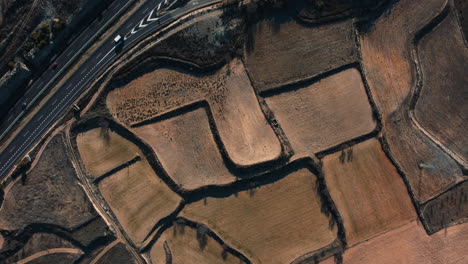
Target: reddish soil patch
[
  {"x": 386, "y": 53},
  {"x": 386, "y": 50},
  {"x": 324, "y": 114},
  {"x": 367, "y": 190},
  {"x": 290, "y": 52},
  {"x": 442, "y": 107},
  {"x": 284, "y": 217},
  {"x": 187, "y": 150},
  {"x": 49, "y": 194},
  {"x": 411, "y": 245}
]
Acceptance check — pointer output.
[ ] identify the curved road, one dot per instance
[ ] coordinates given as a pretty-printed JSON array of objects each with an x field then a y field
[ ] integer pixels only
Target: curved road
[{"x": 137, "y": 27}]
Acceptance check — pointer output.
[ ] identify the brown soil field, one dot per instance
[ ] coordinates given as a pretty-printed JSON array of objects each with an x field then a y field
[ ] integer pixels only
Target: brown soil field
[
  {"x": 386, "y": 51},
  {"x": 368, "y": 191},
  {"x": 390, "y": 43},
  {"x": 289, "y": 52},
  {"x": 50, "y": 193},
  {"x": 186, "y": 246},
  {"x": 325, "y": 113},
  {"x": 138, "y": 198},
  {"x": 275, "y": 223},
  {"x": 441, "y": 107},
  {"x": 102, "y": 150},
  {"x": 447, "y": 209},
  {"x": 41, "y": 242},
  {"x": 244, "y": 131},
  {"x": 410, "y": 244},
  {"x": 330, "y": 260},
  {"x": 242, "y": 127},
  {"x": 186, "y": 149},
  {"x": 119, "y": 254}
]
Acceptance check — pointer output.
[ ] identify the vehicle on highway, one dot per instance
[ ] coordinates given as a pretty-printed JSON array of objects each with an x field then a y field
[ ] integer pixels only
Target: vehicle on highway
[
  {"x": 54, "y": 65},
  {"x": 118, "y": 42}
]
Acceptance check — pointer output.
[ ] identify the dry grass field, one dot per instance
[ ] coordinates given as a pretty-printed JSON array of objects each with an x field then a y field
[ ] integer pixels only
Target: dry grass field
[
  {"x": 325, "y": 113},
  {"x": 186, "y": 246},
  {"x": 187, "y": 150},
  {"x": 243, "y": 129},
  {"x": 442, "y": 107},
  {"x": 386, "y": 53},
  {"x": 246, "y": 135},
  {"x": 410, "y": 244},
  {"x": 367, "y": 190},
  {"x": 138, "y": 198},
  {"x": 288, "y": 52},
  {"x": 102, "y": 151},
  {"x": 159, "y": 92},
  {"x": 49, "y": 194},
  {"x": 275, "y": 223}
]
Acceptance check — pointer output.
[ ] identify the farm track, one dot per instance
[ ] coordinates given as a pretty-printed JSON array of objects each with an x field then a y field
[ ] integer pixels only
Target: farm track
[
  {"x": 104, "y": 251},
  {"x": 49, "y": 251}
]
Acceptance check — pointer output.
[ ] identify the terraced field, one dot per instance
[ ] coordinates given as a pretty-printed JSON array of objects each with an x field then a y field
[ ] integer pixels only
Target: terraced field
[
  {"x": 256, "y": 222},
  {"x": 369, "y": 198},
  {"x": 324, "y": 114},
  {"x": 247, "y": 134}
]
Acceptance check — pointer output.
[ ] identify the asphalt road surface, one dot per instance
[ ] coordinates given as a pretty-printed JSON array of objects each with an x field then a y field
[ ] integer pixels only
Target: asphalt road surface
[
  {"x": 73, "y": 51},
  {"x": 141, "y": 24}
]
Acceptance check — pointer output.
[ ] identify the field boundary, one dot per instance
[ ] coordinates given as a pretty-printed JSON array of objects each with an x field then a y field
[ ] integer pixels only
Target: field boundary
[{"x": 417, "y": 88}]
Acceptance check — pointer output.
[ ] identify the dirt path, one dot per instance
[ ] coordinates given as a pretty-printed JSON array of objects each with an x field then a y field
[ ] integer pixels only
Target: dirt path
[
  {"x": 104, "y": 251},
  {"x": 49, "y": 251},
  {"x": 416, "y": 90}
]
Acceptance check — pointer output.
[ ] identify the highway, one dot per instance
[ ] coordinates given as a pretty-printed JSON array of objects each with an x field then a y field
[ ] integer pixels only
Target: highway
[{"x": 136, "y": 28}]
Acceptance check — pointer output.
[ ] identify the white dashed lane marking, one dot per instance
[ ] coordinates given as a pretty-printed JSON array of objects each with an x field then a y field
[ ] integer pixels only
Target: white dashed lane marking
[{"x": 42, "y": 125}]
